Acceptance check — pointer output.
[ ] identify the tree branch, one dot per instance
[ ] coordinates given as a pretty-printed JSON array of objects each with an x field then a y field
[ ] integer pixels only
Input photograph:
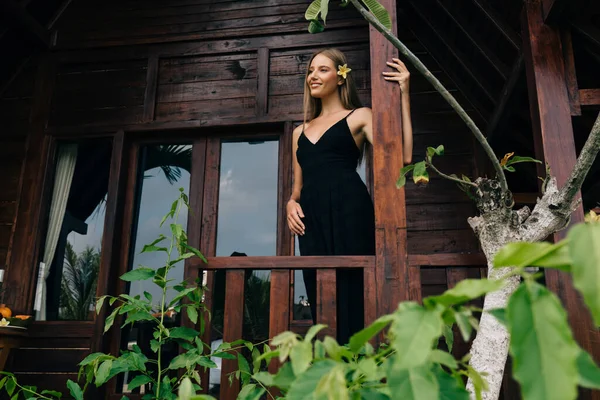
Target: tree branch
[
  {"x": 582, "y": 167},
  {"x": 439, "y": 87},
  {"x": 450, "y": 178}
]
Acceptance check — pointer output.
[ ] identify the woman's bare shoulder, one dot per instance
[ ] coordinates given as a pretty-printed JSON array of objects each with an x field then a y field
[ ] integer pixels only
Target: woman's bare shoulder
[{"x": 363, "y": 112}]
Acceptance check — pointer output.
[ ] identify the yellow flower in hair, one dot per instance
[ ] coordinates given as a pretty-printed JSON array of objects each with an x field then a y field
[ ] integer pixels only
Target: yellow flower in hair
[{"x": 343, "y": 70}]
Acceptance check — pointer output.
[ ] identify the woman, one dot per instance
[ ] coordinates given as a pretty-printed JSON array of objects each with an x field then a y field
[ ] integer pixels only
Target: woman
[{"x": 330, "y": 209}]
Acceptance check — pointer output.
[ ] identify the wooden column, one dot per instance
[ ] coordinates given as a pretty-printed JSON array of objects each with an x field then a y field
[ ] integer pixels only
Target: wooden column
[
  {"x": 388, "y": 285},
  {"x": 23, "y": 263},
  {"x": 554, "y": 143}
]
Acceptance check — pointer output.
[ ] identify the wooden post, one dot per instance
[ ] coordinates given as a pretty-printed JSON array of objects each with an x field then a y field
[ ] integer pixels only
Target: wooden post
[
  {"x": 387, "y": 286},
  {"x": 554, "y": 143}
]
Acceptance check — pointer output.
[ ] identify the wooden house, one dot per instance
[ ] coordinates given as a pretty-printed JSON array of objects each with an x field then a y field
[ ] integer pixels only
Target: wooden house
[{"x": 120, "y": 103}]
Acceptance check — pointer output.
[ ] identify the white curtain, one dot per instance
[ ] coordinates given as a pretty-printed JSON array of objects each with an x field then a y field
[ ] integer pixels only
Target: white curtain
[{"x": 65, "y": 167}]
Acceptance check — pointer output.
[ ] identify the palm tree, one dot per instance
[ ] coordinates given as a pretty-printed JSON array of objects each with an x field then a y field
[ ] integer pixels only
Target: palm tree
[
  {"x": 171, "y": 159},
  {"x": 78, "y": 285}
]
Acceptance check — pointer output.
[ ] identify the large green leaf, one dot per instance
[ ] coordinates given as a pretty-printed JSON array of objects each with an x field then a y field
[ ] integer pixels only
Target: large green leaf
[
  {"x": 541, "y": 254},
  {"x": 464, "y": 291},
  {"x": 184, "y": 333},
  {"x": 360, "y": 338},
  {"x": 324, "y": 10},
  {"x": 584, "y": 249},
  {"x": 75, "y": 390},
  {"x": 315, "y": 26},
  {"x": 313, "y": 10},
  {"x": 413, "y": 334},
  {"x": 379, "y": 12},
  {"x": 333, "y": 385},
  {"x": 103, "y": 372},
  {"x": 420, "y": 175},
  {"x": 542, "y": 346},
  {"x": 418, "y": 383},
  {"x": 304, "y": 386},
  {"x": 138, "y": 274},
  {"x": 589, "y": 373},
  {"x": 138, "y": 381},
  {"x": 312, "y": 332},
  {"x": 301, "y": 355}
]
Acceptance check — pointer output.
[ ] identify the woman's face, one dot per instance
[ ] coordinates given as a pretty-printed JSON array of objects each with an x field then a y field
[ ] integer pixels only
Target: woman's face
[{"x": 322, "y": 78}]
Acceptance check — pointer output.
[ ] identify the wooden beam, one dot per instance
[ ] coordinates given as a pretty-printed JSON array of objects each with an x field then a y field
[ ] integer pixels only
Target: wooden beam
[
  {"x": 233, "y": 323},
  {"x": 284, "y": 262},
  {"x": 151, "y": 87},
  {"x": 552, "y": 10},
  {"x": 509, "y": 33},
  {"x": 570, "y": 71},
  {"x": 458, "y": 19},
  {"x": 554, "y": 144},
  {"x": 262, "y": 94},
  {"x": 389, "y": 285},
  {"x": 460, "y": 58},
  {"x": 447, "y": 260},
  {"x": 20, "y": 18},
  {"x": 589, "y": 97},
  {"x": 504, "y": 106}
]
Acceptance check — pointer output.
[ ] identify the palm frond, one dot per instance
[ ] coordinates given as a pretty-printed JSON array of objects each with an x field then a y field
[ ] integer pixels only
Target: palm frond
[{"x": 171, "y": 159}]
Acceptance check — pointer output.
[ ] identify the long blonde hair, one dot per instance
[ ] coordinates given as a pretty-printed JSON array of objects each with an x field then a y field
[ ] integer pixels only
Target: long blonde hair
[{"x": 347, "y": 90}]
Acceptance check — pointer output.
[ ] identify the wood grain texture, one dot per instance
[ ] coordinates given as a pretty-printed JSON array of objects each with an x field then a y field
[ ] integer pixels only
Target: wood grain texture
[
  {"x": 262, "y": 94},
  {"x": 327, "y": 301},
  {"x": 234, "y": 312},
  {"x": 285, "y": 262},
  {"x": 151, "y": 86},
  {"x": 589, "y": 97},
  {"x": 391, "y": 269},
  {"x": 551, "y": 116}
]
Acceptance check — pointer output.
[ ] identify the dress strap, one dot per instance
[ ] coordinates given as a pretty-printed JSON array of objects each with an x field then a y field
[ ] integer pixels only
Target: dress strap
[{"x": 350, "y": 113}]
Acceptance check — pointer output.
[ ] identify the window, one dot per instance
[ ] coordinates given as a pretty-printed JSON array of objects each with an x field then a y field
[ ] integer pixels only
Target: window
[{"x": 70, "y": 259}]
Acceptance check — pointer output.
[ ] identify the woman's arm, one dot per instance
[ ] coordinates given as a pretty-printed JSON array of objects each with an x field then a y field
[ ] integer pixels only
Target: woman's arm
[
  {"x": 402, "y": 76},
  {"x": 294, "y": 211}
]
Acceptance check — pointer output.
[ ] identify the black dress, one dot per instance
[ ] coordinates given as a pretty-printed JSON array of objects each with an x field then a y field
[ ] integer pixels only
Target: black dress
[{"x": 339, "y": 218}]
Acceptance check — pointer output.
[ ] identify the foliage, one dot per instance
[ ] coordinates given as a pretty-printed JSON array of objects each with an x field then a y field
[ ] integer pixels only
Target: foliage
[
  {"x": 413, "y": 362},
  {"x": 78, "y": 285},
  {"x": 320, "y": 9}
]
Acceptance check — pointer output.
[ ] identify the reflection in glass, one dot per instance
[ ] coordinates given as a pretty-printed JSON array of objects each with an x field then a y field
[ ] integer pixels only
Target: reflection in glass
[
  {"x": 162, "y": 170},
  {"x": 247, "y": 226},
  {"x": 70, "y": 262}
]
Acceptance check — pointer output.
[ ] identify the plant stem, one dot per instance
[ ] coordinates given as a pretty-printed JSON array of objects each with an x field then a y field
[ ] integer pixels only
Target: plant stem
[
  {"x": 443, "y": 175},
  {"x": 439, "y": 87}
]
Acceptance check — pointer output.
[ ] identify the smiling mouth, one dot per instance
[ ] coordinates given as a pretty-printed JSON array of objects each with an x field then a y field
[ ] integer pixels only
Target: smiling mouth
[{"x": 314, "y": 85}]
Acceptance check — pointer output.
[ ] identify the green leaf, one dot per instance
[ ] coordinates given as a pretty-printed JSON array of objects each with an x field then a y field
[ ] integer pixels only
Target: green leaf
[
  {"x": 11, "y": 384},
  {"x": 152, "y": 249},
  {"x": 379, "y": 12},
  {"x": 52, "y": 393},
  {"x": 244, "y": 368},
  {"x": 359, "y": 339},
  {"x": 186, "y": 389},
  {"x": 99, "y": 304},
  {"x": 313, "y": 10},
  {"x": 464, "y": 327},
  {"x": 138, "y": 274},
  {"x": 413, "y": 383},
  {"x": 204, "y": 361},
  {"x": 333, "y": 385},
  {"x": 160, "y": 238},
  {"x": 499, "y": 314},
  {"x": 103, "y": 372},
  {"x": 414, "y": 331},
  {"x": 368, "y": 367},
  {"x": 265, "y": 378},
  {"x": 75, "y": 390},
  {"x": 251, "y": 392},
  {"x": 110, "y": 320},
  {"x": 332, "y": 348},
  {"x": 584, "y": 249},
  {"x": 479, "y": 384},
  {"x": 184, "y": 333},
  {"x": 170, "y": 213},
  {"x": 304, "y": 386},
  {"x": 181, "y": 295},
  {"x": 192, "y": 314},
  {"x": 315, "y": 26},
  {"x": 450, "y": 387},
  {"x": 420, "y": 175},
  {"x": 312, "y": 332},
  {"x": 285, "y": 377},
  {"x": 431, "y": 151},
  {"x": 226, "y": 356},
  {"x": 301, "y": 355},
  {"x": 589, "y": 373},
  {"x": 518, "y": 159},
  {"x": 324, "y": 10},
  {"x": 91, "y": 358},
  {"x": 402, "y": 178},
  {"x": 196, "y": 252},
  {"x": 448, "y": 336},
  {"x": 542, "y": 346},
  {"x": 3, "y": 381},
  {"x": 464, "y": 291},
  {"x": 154, "y": 345},
  {"x": 138, "y": 381},
  {"x": 443, "y": 358},
  {"x": 540, "y": 254}
]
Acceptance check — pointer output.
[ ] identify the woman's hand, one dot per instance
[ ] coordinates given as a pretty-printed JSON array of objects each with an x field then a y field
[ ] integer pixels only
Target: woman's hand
[
  {"x": 402, "y": 76},
  {"x": 294, "y": 213}
]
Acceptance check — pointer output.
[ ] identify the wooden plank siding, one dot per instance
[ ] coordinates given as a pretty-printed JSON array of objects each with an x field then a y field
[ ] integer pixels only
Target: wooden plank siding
[{"x": 201, "y": 70}]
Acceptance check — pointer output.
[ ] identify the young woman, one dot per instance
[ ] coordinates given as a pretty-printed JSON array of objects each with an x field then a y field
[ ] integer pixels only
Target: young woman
[{"x": 330, "y": 209}]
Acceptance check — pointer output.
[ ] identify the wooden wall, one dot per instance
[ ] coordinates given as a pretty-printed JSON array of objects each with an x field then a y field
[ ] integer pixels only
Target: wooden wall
[{"x": 147, "y": 66}]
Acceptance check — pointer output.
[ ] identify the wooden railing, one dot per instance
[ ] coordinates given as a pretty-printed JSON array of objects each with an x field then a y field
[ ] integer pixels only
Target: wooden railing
[{"x": 280, "y": 305}]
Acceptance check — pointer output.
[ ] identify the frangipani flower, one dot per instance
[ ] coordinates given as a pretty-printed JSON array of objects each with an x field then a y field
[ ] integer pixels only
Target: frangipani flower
[
  {"x": 343, "y": 70},
  {"x": 4, "y": 322}
]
